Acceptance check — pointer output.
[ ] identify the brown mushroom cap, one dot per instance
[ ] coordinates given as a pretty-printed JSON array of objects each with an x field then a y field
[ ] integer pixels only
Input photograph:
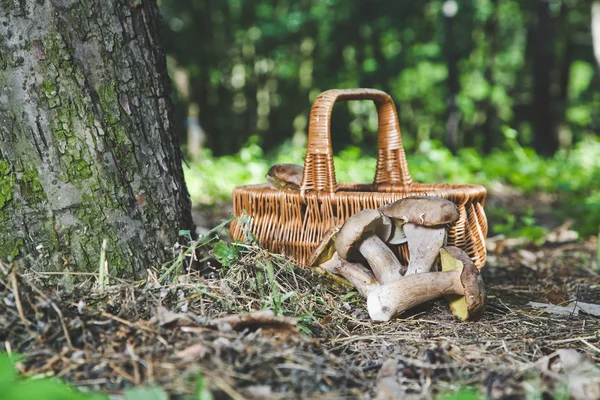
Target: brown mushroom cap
[
  {"x": 472, "y": 305},
  {"x": 285, "y": 176},
  {"x": 422, "y": 210},
  {"x": 360, "y": 224},
  {"x": 418, "y": 210}
]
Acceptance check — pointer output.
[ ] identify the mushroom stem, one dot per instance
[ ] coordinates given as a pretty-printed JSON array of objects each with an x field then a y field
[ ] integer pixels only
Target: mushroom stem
[
  {"x": 380, "y": 258},
  {"x": 424, "y": 244},
  {"x": 394, "y": 298},
  {"x": 359, "y": 276}
]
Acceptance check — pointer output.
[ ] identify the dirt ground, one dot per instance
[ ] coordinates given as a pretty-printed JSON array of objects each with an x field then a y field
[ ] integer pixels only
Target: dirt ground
[{"x": 172, "y": 332}]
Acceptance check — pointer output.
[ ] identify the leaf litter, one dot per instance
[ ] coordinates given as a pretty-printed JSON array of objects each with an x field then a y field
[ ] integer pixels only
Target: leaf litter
[{"x": 261, "y": 328}]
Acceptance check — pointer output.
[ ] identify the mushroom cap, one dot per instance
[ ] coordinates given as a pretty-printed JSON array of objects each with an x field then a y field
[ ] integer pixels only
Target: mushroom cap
[
  {"x": 285, "y": 176},
  {"x": 360, "y": 224},
  {"x": 419, "y": 210},
  {"x": 325, "y": 249},
  {"x": 472, "y": 305},
  {"x": 422, "y": 210}
]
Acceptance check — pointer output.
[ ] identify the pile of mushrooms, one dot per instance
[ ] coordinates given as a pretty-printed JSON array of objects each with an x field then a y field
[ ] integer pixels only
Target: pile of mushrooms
[{"x": 361, "y": 252}]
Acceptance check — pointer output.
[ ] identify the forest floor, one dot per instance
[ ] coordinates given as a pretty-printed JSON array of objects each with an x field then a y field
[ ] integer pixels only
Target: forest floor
[{"x": 194, "y": 333}]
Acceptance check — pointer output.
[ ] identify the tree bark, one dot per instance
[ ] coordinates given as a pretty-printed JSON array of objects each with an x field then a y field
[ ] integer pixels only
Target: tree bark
[{"x": 87, "y": 147}]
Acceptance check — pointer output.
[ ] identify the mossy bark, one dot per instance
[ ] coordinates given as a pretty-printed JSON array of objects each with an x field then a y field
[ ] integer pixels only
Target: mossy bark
[{"x": 87, "y": 147}]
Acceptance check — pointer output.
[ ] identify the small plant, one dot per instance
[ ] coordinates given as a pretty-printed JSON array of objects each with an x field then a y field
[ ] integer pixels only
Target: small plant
[
  {"x": 462, "y": 394},
  {"x": 187, "y": 254},
  {"x": 226, "y": 253},
  {"x": 202, "y": 392}
]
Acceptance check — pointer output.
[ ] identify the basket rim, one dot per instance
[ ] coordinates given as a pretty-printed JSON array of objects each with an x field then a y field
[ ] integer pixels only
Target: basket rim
[{"x": 343, "y": 187}]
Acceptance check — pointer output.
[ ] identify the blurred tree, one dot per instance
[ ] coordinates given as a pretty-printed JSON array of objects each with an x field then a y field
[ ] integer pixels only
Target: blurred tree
[
  {"x": 255, "y": 68},
  {"x": 87, "y": 150},
  {"x": 450, "y": 8},
  {"x": 490, "y": 125},
  {"x": 596, "y": 29},
  {"x": 545, "y": 139}
]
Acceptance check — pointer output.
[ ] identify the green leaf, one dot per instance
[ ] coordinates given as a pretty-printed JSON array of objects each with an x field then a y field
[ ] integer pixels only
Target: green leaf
[
  {"x": 462, "y": 394},
  {"x": 202, "y": 392},
  {"x": 186, "y": 233},
  {"x": 225, "y": 254},
  {"x": 13, "y": 388},
  {"x": 8, "y": 374},
  {"x": 146, "y": 393}
]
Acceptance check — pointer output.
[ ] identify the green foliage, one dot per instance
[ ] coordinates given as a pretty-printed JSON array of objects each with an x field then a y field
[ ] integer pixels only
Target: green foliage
[
  {"x": 255, "y": 67},
  {"x": 172, "y": 268},
  {"x": 146, "y": 393},
  {"x": 462, "y": 394},
  {"x": 521, "y": 226},
  {"x": 14, "y": 387},
  {"x": 202, "y": 392},
  {"x": 572, "y": 174},
  {"x": 225, "y": 253}
]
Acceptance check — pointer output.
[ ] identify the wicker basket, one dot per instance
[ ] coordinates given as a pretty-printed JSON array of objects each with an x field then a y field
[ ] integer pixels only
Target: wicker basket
[{"x": 293, "y": 221}]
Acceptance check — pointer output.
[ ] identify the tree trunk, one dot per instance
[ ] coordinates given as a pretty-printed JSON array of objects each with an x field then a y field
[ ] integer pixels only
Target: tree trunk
[
  {"x": 596, "y": 29},
  {"x": 450, "y": 53},
  {"x": 545, "y": 140},
  {"x": 87, "y": 147},
  {"x": 490, "y": 126}
]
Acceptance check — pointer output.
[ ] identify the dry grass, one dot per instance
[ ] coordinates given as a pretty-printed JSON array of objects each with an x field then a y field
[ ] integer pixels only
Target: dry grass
[{"x": 112, "y": 339}]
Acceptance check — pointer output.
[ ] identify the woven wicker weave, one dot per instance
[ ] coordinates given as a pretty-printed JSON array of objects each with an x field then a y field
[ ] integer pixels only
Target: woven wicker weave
[{"x": 293, "y": 221}]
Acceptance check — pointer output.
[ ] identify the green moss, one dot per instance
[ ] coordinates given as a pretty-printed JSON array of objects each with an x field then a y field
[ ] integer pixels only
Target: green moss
[
  {"x": 89, "y": 214},
  {"x": 10, "y": 247},
  {"x": 80, "y": 170},
  {"x": 109, "y": 100},
  {"x": 51, "y": 93},
  {"x": 31, "y": 187},
  {"x": 7, "y": 181}
]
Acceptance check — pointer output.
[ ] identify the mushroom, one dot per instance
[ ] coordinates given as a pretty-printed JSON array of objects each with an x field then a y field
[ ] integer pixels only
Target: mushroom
[
  {"x": 355, "y": 273},
  {"x": 460, "y": 282},
  {"x": 325, "y": 258},
  {"x": 471, "y": 304},
  {"x": 285, "y": 176},
  {"x": 366, "y": 231},
  {"x": 421, "y": 221}
]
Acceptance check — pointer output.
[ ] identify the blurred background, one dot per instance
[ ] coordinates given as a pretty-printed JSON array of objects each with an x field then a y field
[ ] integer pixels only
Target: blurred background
[{"x": 487, "y": 91}]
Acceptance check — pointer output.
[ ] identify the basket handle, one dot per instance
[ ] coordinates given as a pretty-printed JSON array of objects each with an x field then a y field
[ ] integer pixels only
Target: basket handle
[{"x": 319, "y": 172}]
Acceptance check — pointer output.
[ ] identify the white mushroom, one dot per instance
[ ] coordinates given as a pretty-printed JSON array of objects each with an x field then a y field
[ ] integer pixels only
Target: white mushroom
[
  {"x": 461, "y": 281},
  {"x": 325, "y": 257},
  {"x": 366, "y": 231},
  {"x": 421, "y": 221},
  {"x": 360, "y": 277}
]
